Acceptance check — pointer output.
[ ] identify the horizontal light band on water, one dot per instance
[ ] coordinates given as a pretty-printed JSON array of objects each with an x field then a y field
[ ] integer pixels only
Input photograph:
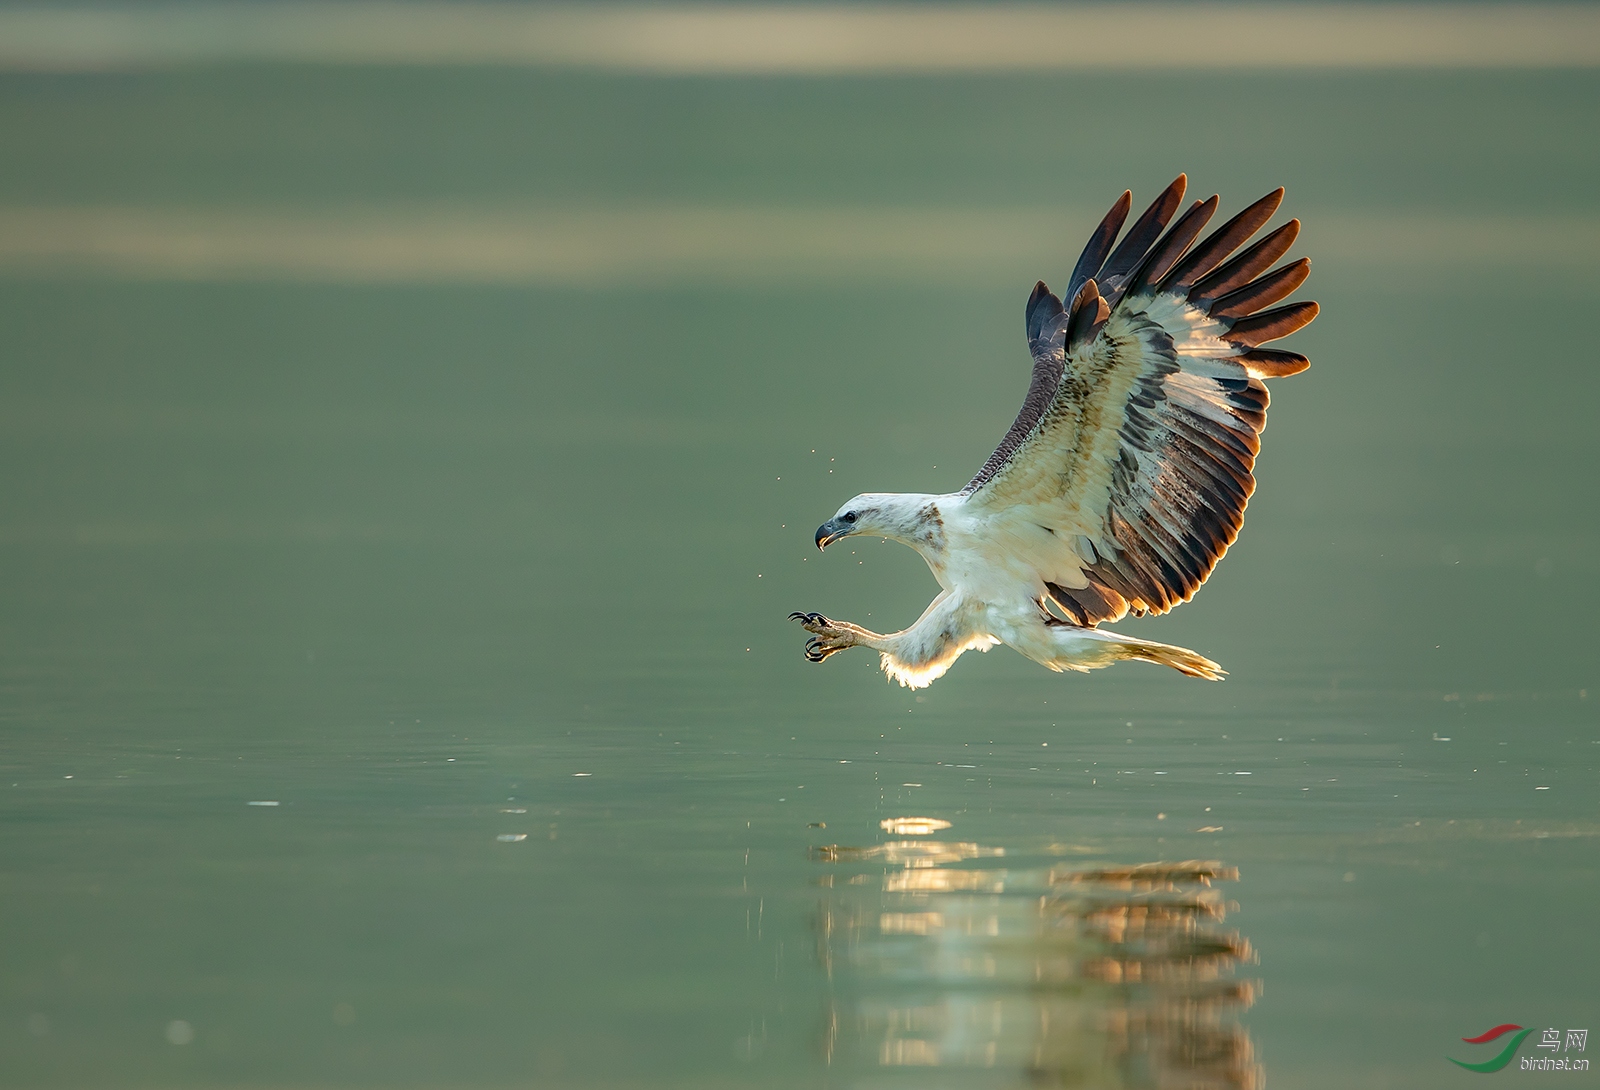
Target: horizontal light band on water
[
  {"x": 802, "y": 38},
  {"x": 596, "y": 245}
]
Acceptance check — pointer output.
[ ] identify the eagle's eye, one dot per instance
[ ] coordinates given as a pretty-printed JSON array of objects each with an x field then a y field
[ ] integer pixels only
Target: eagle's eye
[{"x": 848, "y": 516}]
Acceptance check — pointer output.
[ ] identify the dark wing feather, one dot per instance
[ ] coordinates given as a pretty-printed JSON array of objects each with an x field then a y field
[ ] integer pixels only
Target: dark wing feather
[
  {"x": 1164, "y": 254},
  {"x": 1228, "y": 238},
  {"x": 1138, "y": 438},
  {"x": 1099, "y": 245},
  {"x": 1247, "y": 266},
  {"x": 1262, "y": 292},
  {"x": 1145, "y": 230},
  {"x": 1270, "y": 325},
  {"x": 1046, "y": 325}
]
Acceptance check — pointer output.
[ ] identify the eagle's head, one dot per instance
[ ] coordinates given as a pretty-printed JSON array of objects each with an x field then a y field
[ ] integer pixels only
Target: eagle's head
[{"x": 900, "y": 516}]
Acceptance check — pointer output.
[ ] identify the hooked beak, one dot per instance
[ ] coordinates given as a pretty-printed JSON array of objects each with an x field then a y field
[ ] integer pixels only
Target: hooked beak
[{"x": 829, "y": 532}]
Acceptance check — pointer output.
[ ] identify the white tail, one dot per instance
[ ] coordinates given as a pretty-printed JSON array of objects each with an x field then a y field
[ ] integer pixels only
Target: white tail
[
  {"x": 1180, "y": 659},
  {"x": 1072, "y": 648}
]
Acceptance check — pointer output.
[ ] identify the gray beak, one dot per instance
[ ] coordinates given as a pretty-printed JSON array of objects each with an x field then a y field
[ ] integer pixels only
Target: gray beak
[{"x": 830, "y": 532}]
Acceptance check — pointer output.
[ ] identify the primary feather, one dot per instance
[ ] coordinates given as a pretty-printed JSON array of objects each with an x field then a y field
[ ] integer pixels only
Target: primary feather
[{"x": 1124, "y": 478}]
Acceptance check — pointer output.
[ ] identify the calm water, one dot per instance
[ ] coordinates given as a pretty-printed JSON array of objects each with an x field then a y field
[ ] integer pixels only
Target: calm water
[{"x": 481, "y": 582}]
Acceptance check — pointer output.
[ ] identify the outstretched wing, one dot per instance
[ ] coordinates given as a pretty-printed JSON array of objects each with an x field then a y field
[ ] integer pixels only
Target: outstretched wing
[{"x": 1126, "y": 474}]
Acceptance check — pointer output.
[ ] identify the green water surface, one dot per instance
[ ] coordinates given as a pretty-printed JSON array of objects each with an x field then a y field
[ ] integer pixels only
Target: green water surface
[{"x": 434, "y": 564}]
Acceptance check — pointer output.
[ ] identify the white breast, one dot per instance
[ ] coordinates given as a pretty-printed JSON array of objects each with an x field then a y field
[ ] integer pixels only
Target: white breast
[{"x": 996, "y": 559}]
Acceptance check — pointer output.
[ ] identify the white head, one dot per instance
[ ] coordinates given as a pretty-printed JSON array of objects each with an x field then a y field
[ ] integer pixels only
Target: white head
[{"x": 902, "y": 516}]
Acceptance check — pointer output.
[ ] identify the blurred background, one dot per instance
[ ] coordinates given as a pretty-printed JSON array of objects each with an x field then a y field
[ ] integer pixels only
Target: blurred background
[{"x": 415, "y": 421}]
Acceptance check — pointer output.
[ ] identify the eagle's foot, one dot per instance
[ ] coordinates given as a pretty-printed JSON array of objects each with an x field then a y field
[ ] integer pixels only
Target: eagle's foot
[
  {"x": 817, "y": 624},
  {"x": 819, "y": 649},
  {"x": 829, "y": 637}
]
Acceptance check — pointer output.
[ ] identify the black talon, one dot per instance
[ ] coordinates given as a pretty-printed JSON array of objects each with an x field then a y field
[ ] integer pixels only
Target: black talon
[{"x": 797, "y": 616}]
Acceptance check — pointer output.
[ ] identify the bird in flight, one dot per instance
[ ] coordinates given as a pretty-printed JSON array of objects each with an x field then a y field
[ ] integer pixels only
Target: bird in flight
[{"x": 1125, "y": 476}]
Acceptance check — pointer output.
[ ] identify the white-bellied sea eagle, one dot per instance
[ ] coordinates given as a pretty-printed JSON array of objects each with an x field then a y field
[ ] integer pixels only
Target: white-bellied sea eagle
[{"x": 1125, "y": 476}]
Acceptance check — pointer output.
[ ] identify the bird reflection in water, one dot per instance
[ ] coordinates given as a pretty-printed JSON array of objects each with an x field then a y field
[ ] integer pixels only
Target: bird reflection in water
[{"x": 952, "y": 964}]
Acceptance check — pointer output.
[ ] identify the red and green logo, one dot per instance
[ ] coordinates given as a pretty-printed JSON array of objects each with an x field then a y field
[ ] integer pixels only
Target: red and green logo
[{"x": 1507, "y": 1054}]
